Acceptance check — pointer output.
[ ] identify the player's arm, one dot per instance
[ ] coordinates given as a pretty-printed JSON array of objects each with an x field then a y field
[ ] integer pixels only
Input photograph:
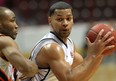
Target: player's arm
[
  {"x": 53, "y": 55},
  {"x": 13, "y": 55},
  {"x": 78, "y": 59}
]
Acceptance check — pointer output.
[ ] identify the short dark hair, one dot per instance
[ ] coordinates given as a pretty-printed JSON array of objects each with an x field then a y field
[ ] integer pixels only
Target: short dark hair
[{"x": 59, "y": 5}]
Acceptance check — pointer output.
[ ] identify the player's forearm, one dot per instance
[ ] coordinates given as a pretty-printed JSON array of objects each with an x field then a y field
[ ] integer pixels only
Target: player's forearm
[
  {"x": 32, "y": 69},
  {"x": 85, "y": 70},
  {"x": 95, "y": 66}
]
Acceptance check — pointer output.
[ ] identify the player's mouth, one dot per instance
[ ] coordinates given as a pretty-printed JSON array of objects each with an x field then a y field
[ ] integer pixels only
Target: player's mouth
[
  {"x": 65, "y": 30},
  {"x": 15, "y": 33}
]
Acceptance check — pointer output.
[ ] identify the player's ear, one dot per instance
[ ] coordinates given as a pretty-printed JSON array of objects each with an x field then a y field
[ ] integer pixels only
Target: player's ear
[
  {"x": 0, "y": 24},
  {"x": 49, "y": 20}
]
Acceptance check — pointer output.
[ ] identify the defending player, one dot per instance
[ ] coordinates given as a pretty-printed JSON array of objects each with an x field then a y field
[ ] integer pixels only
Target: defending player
[{"x": 9, "y": 52}]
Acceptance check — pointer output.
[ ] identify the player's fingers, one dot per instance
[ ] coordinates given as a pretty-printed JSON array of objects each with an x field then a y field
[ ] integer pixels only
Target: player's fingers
[
  {"x": 88, "y": 41},
  {"x": 108, "y": 40},
  {"x": 99, "y": 35},
  {"x": 109, "y": 47},
  {"x": 106, "y": 36}
]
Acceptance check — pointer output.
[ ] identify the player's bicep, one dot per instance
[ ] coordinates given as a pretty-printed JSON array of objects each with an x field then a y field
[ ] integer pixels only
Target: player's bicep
[
  {"x": 5, "y": 42},
  {"x": 20, "y": 62},
  {"x": 11, "y": 52},
  {"x": 8, "y": 47},
  {"x": 13, "y": 56},
  {"x": 61, "y": 69},
  {"x": 56, "y": 60}
]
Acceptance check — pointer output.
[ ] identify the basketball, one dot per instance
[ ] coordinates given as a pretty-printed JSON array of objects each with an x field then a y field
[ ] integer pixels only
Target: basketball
[{"x": 93, "y": 32}]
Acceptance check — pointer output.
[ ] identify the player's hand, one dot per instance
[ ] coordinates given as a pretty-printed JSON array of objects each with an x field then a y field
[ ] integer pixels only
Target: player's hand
[{"x": 99, "y": 45}]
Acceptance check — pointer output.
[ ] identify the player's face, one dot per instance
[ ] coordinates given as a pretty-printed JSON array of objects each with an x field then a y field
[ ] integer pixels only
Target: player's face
[
  {"x": 61, "y": 22},
  {"x": 9, "y": 26}
]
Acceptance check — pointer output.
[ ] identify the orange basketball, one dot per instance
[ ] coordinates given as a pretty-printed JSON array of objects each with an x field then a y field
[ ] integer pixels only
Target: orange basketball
[{"x": 93, "y": 32}]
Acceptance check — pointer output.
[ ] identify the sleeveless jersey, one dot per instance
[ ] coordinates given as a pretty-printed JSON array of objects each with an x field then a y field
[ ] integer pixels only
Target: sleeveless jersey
[
  {"x": 6, "y": 70},
  {"x": 46, "y": 74}
]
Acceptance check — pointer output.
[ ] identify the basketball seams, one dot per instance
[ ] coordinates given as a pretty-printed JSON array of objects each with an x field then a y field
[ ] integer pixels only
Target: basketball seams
[
  {"x": 94, "y": 31},
  {"x": 102, "y": 36}
]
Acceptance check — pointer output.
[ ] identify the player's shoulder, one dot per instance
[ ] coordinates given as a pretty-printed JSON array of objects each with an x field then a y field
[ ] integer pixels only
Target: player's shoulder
[
  {"x": 51, "y": 46},
  {"x": 6, "y": 40},
  {"x": 52, "y": 49}
]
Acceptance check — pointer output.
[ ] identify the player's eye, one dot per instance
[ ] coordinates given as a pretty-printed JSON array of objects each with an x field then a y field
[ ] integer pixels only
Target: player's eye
[
  {"x": 68, "y": 19},
  {"x": 12, "y": 20},
  {"x": 59, "y": 19}
]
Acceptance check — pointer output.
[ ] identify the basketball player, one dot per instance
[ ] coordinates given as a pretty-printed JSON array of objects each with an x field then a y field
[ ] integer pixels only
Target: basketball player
[
  {"x": 9, "y": 52},
  {"x": 55, "y": 54}
]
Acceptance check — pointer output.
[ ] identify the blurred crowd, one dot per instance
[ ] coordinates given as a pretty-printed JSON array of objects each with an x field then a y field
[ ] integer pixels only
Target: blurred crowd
[{"x": 34, "y": 12}]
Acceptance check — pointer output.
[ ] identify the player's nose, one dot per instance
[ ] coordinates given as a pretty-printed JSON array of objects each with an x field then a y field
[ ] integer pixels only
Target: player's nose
[{"x": 65, "y": 23}]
